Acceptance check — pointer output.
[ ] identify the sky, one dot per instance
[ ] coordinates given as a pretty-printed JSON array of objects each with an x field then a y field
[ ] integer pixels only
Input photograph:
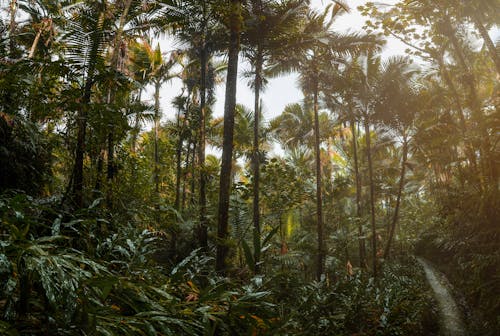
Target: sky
[{"x": 279, "y": 91}]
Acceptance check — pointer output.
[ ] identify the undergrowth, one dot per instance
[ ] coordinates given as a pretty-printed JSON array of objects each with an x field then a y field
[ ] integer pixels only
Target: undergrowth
[
  {"x": 92, "y": 273},
  {"x": 471, "y": 259}
]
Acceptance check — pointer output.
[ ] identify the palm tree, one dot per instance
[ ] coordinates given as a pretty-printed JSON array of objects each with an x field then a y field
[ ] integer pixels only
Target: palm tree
[
  {"x": 397, "y": 105},
  {"x": 86, "y": 38},
  {"x": 339, "y": 98},
  {"x": 199, "y": 27},
  {"x": 159, "y": 73},
  {"x": 140, "y": 69},
  {"x": 243, "y": 133},
  {"x": 485, "y": 13},
  {"x": 293, "y": 127},
  {"x": 270, "y": 29},
  {"x": 115, "y": 59},
  {"x": 235, "y": 27},
  {"x": 377, "y": 89},
  {"x": 321, "y": 51}
]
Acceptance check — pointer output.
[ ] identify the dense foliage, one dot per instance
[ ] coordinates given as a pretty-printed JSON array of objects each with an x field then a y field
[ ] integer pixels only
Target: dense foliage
[{"x": 116, "y": 220}]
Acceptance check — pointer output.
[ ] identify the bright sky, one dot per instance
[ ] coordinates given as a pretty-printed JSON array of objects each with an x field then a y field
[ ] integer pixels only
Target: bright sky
[{"x": 279, "y": 91}]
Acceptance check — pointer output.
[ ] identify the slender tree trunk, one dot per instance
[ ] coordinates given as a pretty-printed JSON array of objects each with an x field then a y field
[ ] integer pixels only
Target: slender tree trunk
[
  {"x": 110, "y": 172},
  {"x": 227, "y": 147},
  {"x": 193, "y": 174},
  {"x": 178, "y": 163},
  {"x": 469, "y": 150},
  {"x": 100, "y": 166},
  {"x": 110, "y": 169},
  {"x": 487, "y": 164},
  {"x": 156, "y": 168},
  {"x": 361, "y": 239},
  {"x": 12, "y": 27},
  {"x": 137, "y": 126},
  {"x": 256, "y": 160},
  {"x": 398, "y": 198},
  {"x": 469, "y": 79},
  {"x": 372, "y": 195},
  {"x": 178, "y": 172},
  {"x": 203, "y": 226},
  {"x": 80, "y": 152},
  {"x": 115, "y": 56},
  {"x": 77, "y": 192},
  {"x": 319, "y": 197},
  {"x": 188, "y": 151},
  {"x": 185, "y": 180},
  {"x": 35, "y": 43},
  {"x": 492, "y": 50}
]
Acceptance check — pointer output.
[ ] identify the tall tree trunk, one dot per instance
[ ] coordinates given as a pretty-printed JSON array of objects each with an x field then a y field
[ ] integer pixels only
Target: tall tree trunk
[
  {"x": 188, "y": 152},
  {"x": 185, "y": 178},
  {"x": 156, "y": 169},
  {"x": 372, "y": 194},
  {"x": 35, "y": 43},
  {"x": 488, "y": 166},
  {"x": 492, "y": 50},
  {"x": 100, "y": 166},
  {"x": 319, "y": 197},
  {"x": 12, "y": 28},
  {"x": 110, "y": 169},
  {"x": 398, "y": 198},
  {"x": 469, "y": 150},
  {"x": 111, "y": 153},
  {"x": 227, "y": 146},
  {"x": 137, "y": 126},
  {"x": 194, "y": 162},
  {"x": 115, "y": 56},
  {"x": 203, "y": 226},
  {"x": 361, "y": 239},
  {"x": 178, "y": 172},
  {"x": 77, "y": 192},
  {"x": 469, "y": 79},
  {"x": 178, "y": 162},
  {"x": 256, "y": 160}
]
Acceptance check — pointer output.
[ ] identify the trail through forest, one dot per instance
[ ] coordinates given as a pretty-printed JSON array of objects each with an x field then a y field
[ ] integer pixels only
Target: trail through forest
[{"x": 451, "y": 323}]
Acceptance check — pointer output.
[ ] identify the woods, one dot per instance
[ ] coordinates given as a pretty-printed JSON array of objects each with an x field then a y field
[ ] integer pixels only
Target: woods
[{"x": 123, "y": 215}]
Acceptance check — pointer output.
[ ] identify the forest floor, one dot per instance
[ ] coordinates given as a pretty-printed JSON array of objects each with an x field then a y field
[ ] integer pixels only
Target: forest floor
[{"x": 451, "y": 323}]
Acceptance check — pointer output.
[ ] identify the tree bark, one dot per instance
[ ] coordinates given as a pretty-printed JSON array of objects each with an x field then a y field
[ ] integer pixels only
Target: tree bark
[
  {"x": 227, "y": 146},
  {"x": 202, "y": 227},
  {"x": 12, "y": 28},
  {"x": 256, "y": 160},
  {"x": 35, "y": 43},
  {"x": 178, "y": 163},
  {"x": 185, "y": 181},
  {"x": 372, "y": 195},
  {"x": 487, "y": 164},
  {"x": 319, "y": 197},
  {"x": 115, "y": 55},
  {"x": 492, "y": 50},
  {"x": 77, "y": 192},
  {"x": 398, "y": 198},
  {"x": 157, "y": 117},
  {"x": 458, "y": 106},
  {"x": 137, "y": 126},
  {"x": 361, "y": 240}
]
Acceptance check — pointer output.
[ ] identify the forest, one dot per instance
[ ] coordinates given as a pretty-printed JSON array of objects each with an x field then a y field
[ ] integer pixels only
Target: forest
[{"x": 121, "y": 214}]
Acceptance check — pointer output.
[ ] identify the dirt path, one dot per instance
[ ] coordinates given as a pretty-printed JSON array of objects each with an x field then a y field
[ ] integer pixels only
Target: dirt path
[{"x": 451, "y": 323}]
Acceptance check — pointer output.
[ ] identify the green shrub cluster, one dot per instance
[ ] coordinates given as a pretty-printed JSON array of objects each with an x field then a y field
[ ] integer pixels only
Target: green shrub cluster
[
  {"x": 398, "y": 303},
  {"x": 74, "y": 274}
]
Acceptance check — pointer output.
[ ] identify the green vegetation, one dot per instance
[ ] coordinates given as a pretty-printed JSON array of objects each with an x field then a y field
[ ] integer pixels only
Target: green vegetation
[{"x": 115, "y": 220}]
